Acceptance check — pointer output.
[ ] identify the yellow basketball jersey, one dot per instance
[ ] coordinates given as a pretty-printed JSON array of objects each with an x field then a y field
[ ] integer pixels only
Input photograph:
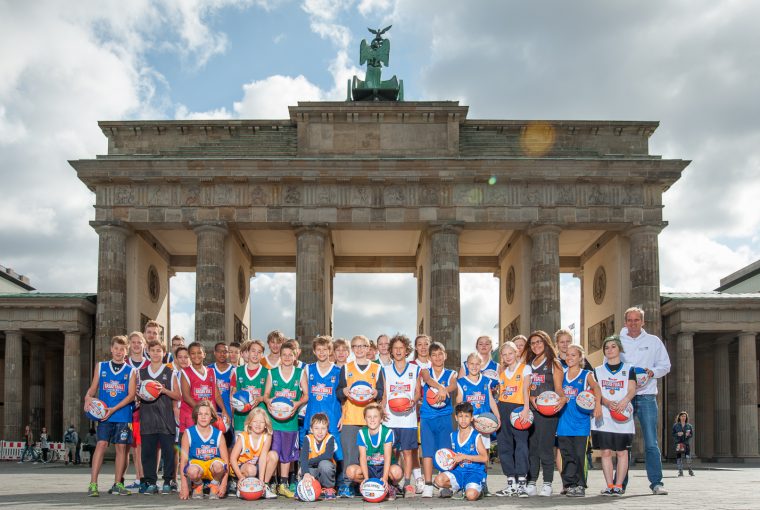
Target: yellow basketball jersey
[
  {"x": 511, "y": 388},
  {"x": 352, "y": 413}
]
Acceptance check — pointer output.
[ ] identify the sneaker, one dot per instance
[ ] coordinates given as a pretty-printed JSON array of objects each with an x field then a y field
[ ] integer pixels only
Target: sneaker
[
  {"x": 213, "y": 490},
  {"x": 173, "y": 485},
  {"x": 485, "y": 492},
  {"x": 133, "y": 485},
  {"x": 419, "y": 485},
  {"x": 546, "y": 490},
  {"x": 150, "y": 490},
  {"x": 269, "y": 493},
  {"x": 659, "y": 490},
  {"x": 410, "y": 491},
  {"x": 143, "y": 487},
  {"x": 507, "y": 491},
  {"x": 92, "y": 490},
  {"x": 293, "y": 487},
  {"x": 198, "y": 491},
  {"x": 570, "y": 491},
  {"x": 118, "y": 489},
  {"x": 345, "y": 492},
  {"x": 691, "y": 472},
  {"x": 427, "y": 491},
  {"x": 680, "y": 472},
  {"x": 609, "y": 491},
  {"x": 391, "y": 492},
  {"x": 458, "y": 495},
  {"x": 580, "y": 492},
  {"x": 531, "y": 490},
  {"x": 166, "y": 489},
  {"x": 329, "y": 493},
  {"x": 617, "y": 491},
  {"x": 232, "y": 486},
  {"x": 445, "y": 493},
  {"x": 521, "y": 491},
  {"x": 284, "y": 490}
]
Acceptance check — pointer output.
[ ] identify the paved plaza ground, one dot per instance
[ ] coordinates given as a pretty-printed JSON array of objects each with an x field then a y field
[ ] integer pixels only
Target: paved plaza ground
[{"x": 715, "y": 486}]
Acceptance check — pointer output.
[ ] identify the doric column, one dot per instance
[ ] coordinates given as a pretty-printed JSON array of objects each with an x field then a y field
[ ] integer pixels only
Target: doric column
[
  {"x": 645, "y": 275},
  {"x": 311, "y": 298},
  {"x": 685, "y": 372},
  {"x": 111, "y": 318},
  {"x": 722, "y": 411},
  {"x": 209, "y": 284},
  {"x": 445, "y": 326},
  {"x": 544, "y": 278},
  {"x": 36, "y": 386},
  {"x": 56, "y": 397},
  {"x": 72, "y": 408},
  {"x": 746, "y": 412},
  {"x": 13, "y": 380}
]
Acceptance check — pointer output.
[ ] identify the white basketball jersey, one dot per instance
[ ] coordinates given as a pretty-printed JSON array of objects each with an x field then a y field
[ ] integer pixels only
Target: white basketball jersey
[
  {"x": 614, "y": 387},
  {"x": 405, "y": 382}
]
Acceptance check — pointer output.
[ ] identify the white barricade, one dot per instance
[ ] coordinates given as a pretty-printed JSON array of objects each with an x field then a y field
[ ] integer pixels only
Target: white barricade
[{"x": 11, "y": 450}]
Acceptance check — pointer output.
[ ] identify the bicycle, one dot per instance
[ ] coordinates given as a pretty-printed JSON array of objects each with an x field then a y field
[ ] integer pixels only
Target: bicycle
[
  {"x": 34, "y": 452},
  {"x": 53, "y": 455}
]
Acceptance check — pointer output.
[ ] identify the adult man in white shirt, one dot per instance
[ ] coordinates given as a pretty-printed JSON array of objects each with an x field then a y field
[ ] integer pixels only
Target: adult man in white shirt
[{"x": 646, "y": 351}]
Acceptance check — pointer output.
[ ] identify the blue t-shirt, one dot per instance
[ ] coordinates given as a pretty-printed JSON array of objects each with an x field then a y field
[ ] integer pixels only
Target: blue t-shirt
[
  {"x": 428, "y": 411},
  {"x": 323, "y": 398},
  {"x": 573, "y": 421},
  {"x": 113, "y": 387}
]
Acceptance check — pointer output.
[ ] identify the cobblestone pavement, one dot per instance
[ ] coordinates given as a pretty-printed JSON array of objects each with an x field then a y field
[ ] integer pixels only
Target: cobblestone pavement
[{"x": 715, "y": 486}]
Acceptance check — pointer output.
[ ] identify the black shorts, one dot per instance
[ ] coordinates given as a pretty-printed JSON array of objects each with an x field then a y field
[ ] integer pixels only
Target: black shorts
[{"x": 611, "y": 441}]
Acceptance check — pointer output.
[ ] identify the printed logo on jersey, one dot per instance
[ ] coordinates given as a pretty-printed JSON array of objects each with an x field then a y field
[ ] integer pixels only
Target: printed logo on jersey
[
  {"x": 253, "y": 391},
  {"x": 401, "y": 387},
  {"x": 223, "y": 386},
  {"x": 113, "y": 388},
  {"x": 612, "y": 386},
  {"x": 206, "y": 452},
  {"x": 538, "y": 378},
  {"x": 509, "y": 390},
  {"x": 376, "y": 459},
  {"x": 203, "y": 392},
  {"x": 570, "y": 391},
  {"x": 321, "y": 391},
  {"x": 477, "y": 399},
  {"x": 291, "y": 394}
]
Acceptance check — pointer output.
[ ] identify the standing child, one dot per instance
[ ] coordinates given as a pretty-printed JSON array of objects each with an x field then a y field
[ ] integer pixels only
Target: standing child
[
  {"x": 251, "y": 377},
  {"x": 514, "y": 388},
  {"x": 204, "y": 455},
  {"x": 470, "y": 456},
  {"x": 251, "y": 454},
  {"x": 114, "y": 384},
  {"x": 44, "y": 445},
  {"x": 376, "y": 459},
  {"x": 489, "y": 368},
  {"x": 223, "y": 371},
  {"x": 475, "y": 388},
  {"x": 275, "y": 339},
  {"x": 198, "y": 384},
  {"x": 285, "y": 381},
  {"x": 318, "y": 452},
  {"x": 138, "y": 359},
  {"x": 383, "y": 350},
  {"x": 574, "y": 425},
  {"x": 435, "y": 420},
  {"x": 234, "y": 354},
  {"x": 683, "y": 433},
  {"x": 340, "y": 352}
]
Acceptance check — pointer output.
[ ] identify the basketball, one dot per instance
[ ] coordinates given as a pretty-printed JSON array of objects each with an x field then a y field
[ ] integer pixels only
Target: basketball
[
  {"x": 490, "y": 373},
  {"x": 518, "y": 423},
  {"x": 360, "y": 393},
  {"x": 444, "y": 459},
  {"x": 250, "y": 489},
  {"x": 221, "y": 423},
  {"x": 547, "y": 402},
  {"x": 241, "y": 401},
  {"x": 400, "y": 403},
  {"x": 373, "y": 490},
  {"x": 585, "y": 401},
  {"x": 149, "y": 390},
  {"x": 430, "y": 396},
  {"x": 97, "y": 410},
  {"x": 642, "y": 376},
  {"x": 486, "y": 423},
  {"x": 623, "y": 416},
  {"x": 309, "y": 491},
  {"x": 281, "y": 408}
]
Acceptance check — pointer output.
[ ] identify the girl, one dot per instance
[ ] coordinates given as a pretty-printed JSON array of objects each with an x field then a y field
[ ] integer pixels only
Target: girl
[
  {"x": 383, "y": 353},
  {"x": 421, "y": 351},
  {"x": 475, "y": 388},
  {"x": 683, "y": 433},
  {"x": 250, "y": 455},
  {"x": 376, "y": 458},
  {"x": 520, "y": 342},
  {"x": 198, "y": 383},
  {"x": 574, "y": 425},
  {"x": 251, "y": 377},
  {"x": 617, "y": 382},
  {"x": 547, "y": 376},
  {"x": 484, "y": 347},
  {"x": 514, "y": 389},
  {"x": 204, "y": 455}
]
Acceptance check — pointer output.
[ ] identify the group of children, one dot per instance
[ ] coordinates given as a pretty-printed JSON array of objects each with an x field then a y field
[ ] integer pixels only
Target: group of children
[{"x": 340, "y": 441}]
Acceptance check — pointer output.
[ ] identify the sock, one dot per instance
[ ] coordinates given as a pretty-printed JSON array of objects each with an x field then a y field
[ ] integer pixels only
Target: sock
[
  {"x": 416, "y": 473},
  {"x": 511, "y": 480},
  {"x": 521, "y": 480},
  {"x": 429, "y": 483}
]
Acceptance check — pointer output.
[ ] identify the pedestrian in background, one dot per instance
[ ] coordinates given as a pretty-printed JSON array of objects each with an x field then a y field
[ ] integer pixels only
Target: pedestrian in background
[{"x": 683, "y": 433}]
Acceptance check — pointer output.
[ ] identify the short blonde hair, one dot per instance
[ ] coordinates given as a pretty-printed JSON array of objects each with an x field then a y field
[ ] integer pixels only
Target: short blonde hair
[
  {"x": 578, "y": 348},
  {"x": 509, "y": 344},
  {"x": 138, "y": 334},
  {"x": 634, "y": 309}
]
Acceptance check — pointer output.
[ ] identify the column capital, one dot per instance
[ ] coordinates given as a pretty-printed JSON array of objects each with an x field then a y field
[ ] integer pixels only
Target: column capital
[
  {"x": 72, "y": 332},
  {"x": 541, "y": 229},
  {"x": 747, "y": 333},
  {"x": 686, "y": 332},
  {"x": 204, "y": 226},
  {"x": 313, "y": 228},
  {"x": 449, "y": 227},
  {"x": 12, "y": 332},
  {"x": 111, "y": 226},
  {"x": 644, "y": 229}
]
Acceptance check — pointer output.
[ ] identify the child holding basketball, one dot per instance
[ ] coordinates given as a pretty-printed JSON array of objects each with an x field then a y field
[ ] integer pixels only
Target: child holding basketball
[
  {"x": 435, "y": 411},
  {"x": 198, "y": 384},
  {"x": 376, "y": 459},
  {"x": 483, "y": 348},
  {"x": 470, "y": 455},
  {"x": 574, "y": 425},
  {"x": 321, "y": 380},
  {"x": 251, "y": 377},
  {"x": 318, "y": 451},
  {"x": 285, "y": 381},
  {"x": 113, "y": 383},
  {"x": 617, "y": 381},
  {"x": 204, "y": 456},
  {"x": 251, "y": 454}
]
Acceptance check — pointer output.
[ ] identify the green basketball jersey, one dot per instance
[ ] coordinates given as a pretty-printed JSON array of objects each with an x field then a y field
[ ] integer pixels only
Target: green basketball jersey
[
  {"x": 290, "y": 389},
  {"x": 254, "y": 385},
  {"x": 376, "y": 447}
]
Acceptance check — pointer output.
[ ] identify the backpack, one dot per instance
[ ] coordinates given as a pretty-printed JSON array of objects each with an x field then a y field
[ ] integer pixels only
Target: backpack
[{"x": 69, "y": 437}]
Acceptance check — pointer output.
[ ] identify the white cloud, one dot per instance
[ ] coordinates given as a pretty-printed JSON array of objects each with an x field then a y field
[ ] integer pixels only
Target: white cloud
[
  {"x": 183, "y": 113},
  {"x": 270, "y": 98},
  {"x": 374, "y": 7},
  {"x": 183, "y": 324}
]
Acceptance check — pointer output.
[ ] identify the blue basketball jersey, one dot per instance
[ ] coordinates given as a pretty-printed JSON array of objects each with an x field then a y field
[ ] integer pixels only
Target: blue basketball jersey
[
  {"x": 428, "y": 411},
  {"x": 223, "y": 385},
  {"x": 203, "y": 448},
  {"x": 476, "y": 393},
  {"x": 322, "y": 396},
  {"x": 573, "y": 421},
  {"x": 113, "y": 387},
  {"x": 468, "y": 447}
]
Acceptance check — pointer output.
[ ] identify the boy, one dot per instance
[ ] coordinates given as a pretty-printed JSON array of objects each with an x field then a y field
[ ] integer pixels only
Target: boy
[
  {"x": 204, "y": 455},
  {"x": 360, "y": 369},
  {"x": 113, "y": 383},
  {"x": 157, "y": 421},
  {"x": 470, "y": 455},
  {"x": 198, "y": 384},
  {"x": 284, "y": 380},
  {"x": 403, "y": 377},
  {"x": 321, "y": 380},
  {"x": 222, "y": 373},
  {"x": 251, "y": 377},
  {"x": 318, "y": 452},
  {"x": 275, "y": 339},
  {"x": 234, "y": 354},
  {"x": 435, "y": 422},
  {"x": 137, "y": 359},
  {"x": 340, "y": 352}
]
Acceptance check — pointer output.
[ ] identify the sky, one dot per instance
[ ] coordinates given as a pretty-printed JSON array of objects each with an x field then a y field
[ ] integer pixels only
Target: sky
[{"x": 692, "y": 65}]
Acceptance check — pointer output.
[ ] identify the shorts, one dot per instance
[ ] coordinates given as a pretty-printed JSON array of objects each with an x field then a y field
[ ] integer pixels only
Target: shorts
[
  {"x": 286, "y": 445},
  {"x": 205, "y": 465},
  {"x": 486, "y": 438},
  {"x": 462, "y": 479},
  {"x": 115, "y": 432},
  {"x": 405, "y": 439},
  {"x": 436, "y": 434},
  {"x": 611, "y": 441},
  {"x": 136, "y": 438},
  {"x": 375, "y": 471}
]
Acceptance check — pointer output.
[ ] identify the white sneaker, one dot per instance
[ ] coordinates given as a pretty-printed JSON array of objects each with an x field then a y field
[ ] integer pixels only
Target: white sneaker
[
  {"x": 419, "y": 485},
  {"x": 268, "y": 494},
  {"x": 530, "y": 489},
  {"x": 427, "y": 491},
  {"x": 659, "y": 490},
  {"x": 546, "y": 490}
]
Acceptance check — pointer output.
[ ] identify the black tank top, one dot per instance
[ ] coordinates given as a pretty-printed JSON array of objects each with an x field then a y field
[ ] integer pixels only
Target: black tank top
[
  {"x": 542, "y": 378},
  {"x": 157, "y": 417}
]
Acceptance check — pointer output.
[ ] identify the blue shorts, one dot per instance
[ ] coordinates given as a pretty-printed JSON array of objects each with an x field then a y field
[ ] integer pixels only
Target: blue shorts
[
  {"x": 115, "y": 432},
  {"x": 405, "y": 439},
  {"x": 375, "y": 471},
  {"x": 435, "y": 434},
  {"x": 465, "y": 479}
]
